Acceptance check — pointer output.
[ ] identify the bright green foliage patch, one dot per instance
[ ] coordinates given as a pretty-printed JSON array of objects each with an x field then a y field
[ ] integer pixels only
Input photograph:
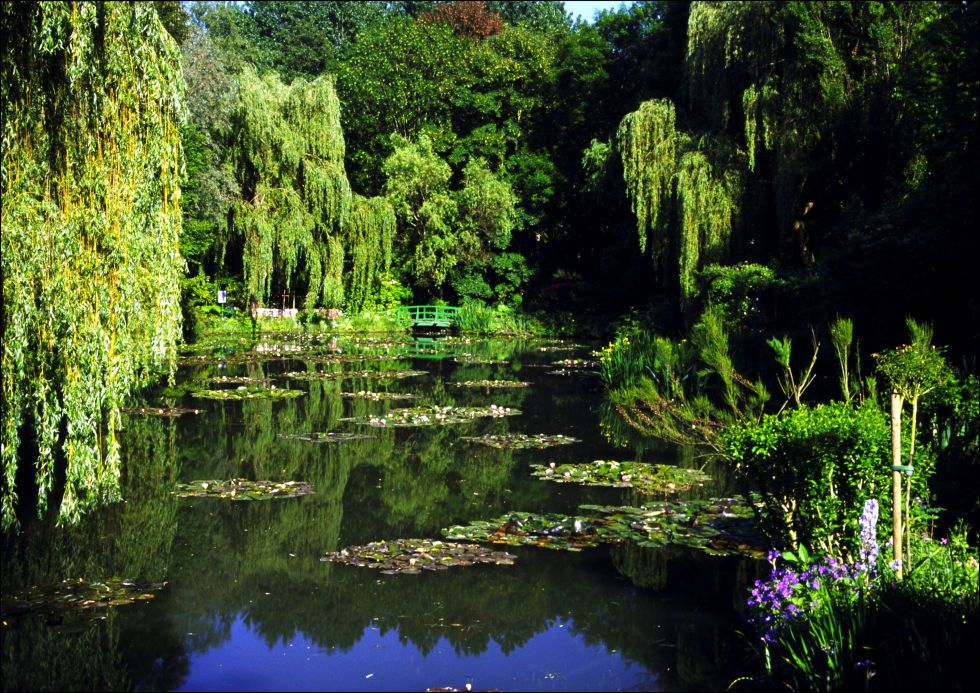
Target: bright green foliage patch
[
  {"x": 88, "y": 598},
  {"x": 249, "y": 392},
  {"x": 91, "y": 166},
  {"x": 646, "y": 478},
  {"x": 328, "y": 437},
  {"x": 243, "y": 489},
  {"x": 720, "y": 526},
  {"x": 492, "y": 383},
  {"x": 438, "y": 416},
  {"x": 521, "y": 441},
  {"x": 412, "y": 556}
]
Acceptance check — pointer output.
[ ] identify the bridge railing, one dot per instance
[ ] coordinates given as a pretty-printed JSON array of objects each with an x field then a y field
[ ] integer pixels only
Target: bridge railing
[{"x": 429, "y": 315}]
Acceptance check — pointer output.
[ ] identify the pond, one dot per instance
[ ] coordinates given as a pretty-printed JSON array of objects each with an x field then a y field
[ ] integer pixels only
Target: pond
[{"x": 221, "y": 593}]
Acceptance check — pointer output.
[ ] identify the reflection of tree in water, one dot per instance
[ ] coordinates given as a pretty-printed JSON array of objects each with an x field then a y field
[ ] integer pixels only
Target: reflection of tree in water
[{"x": 132, "y": 539}]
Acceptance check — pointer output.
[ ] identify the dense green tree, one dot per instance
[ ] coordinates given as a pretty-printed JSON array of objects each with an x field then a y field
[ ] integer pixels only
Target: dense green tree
[
  {"x": 442, "y": 227},
  {"x": 91, "y": 164}
]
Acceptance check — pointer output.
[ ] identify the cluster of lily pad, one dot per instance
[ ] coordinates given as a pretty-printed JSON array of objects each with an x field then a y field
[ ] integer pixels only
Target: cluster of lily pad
[
  {"x": 243, "y": 489},
  {"x": 237, "y": 380},
  {"x": 644, "y": 477},
  {"x": 436, "y": 415},
  {"x": 721, "y": 526},
  {"x": 521, "y": 441},
  {"x": 78, "y": 596},
  {"x": 492, "y": 383},
  {"x": 412, "y": 556},
  {"x": 474, "y": 360},
  {"x": 161, "y": 411},
  {"x": 249, "y": 392},
  {"x": 340, "y": 375},
  {"x": 573, "y": 371},
  {"x": 377, "y": 396},
  {"x": 576, "y": 363},
  {"x": 328, "y": 437}
]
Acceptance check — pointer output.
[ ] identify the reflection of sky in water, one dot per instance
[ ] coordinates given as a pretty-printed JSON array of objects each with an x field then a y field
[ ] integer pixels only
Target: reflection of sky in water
[{"x": 553, "y": 660}]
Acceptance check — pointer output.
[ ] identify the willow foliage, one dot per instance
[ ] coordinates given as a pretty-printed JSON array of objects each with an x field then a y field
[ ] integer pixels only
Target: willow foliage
[
  {"x": 91, "y": 162},
  {"x": 289, "y": 149},
  {"x": 708, "y": 200},
  {"x": 369, "y": 231},
  {"x": 647, "y": 142}
]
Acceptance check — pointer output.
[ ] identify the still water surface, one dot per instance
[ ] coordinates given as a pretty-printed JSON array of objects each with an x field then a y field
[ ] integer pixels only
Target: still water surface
[{"x": 248, "y": 605}]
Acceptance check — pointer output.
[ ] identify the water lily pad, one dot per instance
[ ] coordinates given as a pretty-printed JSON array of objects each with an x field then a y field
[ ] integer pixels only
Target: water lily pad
[
  {"x": 340, "y": 375},
  {"x": 79, "y": 596},
  {"x": 237, "y": 380},
  {"x": 437, "y": 416},
  {"x": 161, "y": 411},
  {"x": 572, "y": 371},
  {"x": 720, "y": 526},
  {"x": 401, "y": 556},
  {"x": 492, "y": 383},
  {"x": 249, "y": 392},
  {"x": 243, "y": 489},
  {"x": 473, "y": 360},
  {"x": 378, "y": 396},
  {"x": 576, "y": 363},
  {"x": 522, "y": 441},
  {"x": 645, "y": 478},
  {"x": 547, "y": 530},
  {"x": 328, "y": 437}
]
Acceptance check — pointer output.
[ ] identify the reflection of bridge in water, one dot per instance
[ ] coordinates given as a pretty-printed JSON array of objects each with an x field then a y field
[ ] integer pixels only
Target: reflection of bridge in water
[{"x": 429, "y": 316}]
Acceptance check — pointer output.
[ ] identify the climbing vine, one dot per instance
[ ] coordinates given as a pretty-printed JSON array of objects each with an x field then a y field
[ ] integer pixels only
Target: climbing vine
[{"x": 90, "y": 176}]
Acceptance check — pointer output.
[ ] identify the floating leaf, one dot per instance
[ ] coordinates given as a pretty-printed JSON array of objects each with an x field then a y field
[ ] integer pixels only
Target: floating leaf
[
  {"x": 473, "y": 360},
  {"x": 572, "y": 371},
  {"x": 328, "y": 437},
  {"x": 236, "y": 380},
  {"x": 492, "y": 383},
  {"x": 521, "y": 441},
  {"x": 161, "y": 411},
  {"x": 249, "y": 392},
  {"x": 378, "y": 396},
  {"x": 415, "y": 555},
  {"x": 78, "y": 596},
  {"x": 720, "y": 526},
  {"x": 548, "y": 530},
  {"x": 576, "y": 363},
  {"x": 340, "y": 375},
  {"x": 243, "y": 489},
  {"x": 646, "y": 478},
  {"x": 436, "y": 416}
]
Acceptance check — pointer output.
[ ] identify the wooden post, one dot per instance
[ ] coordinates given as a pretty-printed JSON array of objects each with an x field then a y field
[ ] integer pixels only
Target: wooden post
[{"x": 897, "y": 480}]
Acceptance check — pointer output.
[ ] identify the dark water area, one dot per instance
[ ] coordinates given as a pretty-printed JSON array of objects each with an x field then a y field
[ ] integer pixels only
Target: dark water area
[{"x": 248, "y": 605}]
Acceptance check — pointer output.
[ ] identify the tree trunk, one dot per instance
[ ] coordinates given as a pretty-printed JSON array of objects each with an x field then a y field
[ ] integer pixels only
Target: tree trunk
[{"x": 897, "y": 480}]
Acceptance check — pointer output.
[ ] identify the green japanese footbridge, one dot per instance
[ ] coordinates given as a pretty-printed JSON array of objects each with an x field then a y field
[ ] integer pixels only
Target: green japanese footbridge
[{"x": 429, "y": 316}]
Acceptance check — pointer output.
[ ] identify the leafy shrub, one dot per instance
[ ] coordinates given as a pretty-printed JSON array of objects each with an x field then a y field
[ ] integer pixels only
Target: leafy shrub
[
  {"x": 741, "y": 291},
  {"x": 813, "y": 468}
]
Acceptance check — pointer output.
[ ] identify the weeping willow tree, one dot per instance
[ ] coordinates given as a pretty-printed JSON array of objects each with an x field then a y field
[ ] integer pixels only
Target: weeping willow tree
[
  {"x": 684, "y": 192},
  {"x": 708, "y": 201},
  {"x": 369, "y": 231},
  {"x": 289, "y": 151},
  {"x": 647, "y": 142},
  {"x": 778, "y": 73},
  {"x": 91, "y": 163}
]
